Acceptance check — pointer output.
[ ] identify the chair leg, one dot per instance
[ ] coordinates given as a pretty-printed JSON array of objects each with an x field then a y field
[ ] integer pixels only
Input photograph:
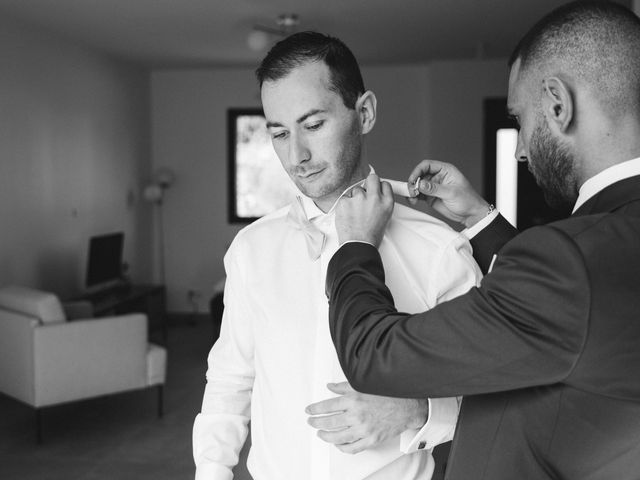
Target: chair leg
[
  {"x": 39, "y": 426},
  {"x": 160, "y": 401}
]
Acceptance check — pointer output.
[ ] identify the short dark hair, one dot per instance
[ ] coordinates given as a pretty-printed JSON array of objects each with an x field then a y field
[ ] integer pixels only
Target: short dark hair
[
  {"x": 596, "y": 42},
  {"x": 305, "y": 47}
]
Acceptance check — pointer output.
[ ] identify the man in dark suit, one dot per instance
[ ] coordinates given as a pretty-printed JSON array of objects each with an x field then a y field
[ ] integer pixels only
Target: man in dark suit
[{"x": 546, "y": 352}]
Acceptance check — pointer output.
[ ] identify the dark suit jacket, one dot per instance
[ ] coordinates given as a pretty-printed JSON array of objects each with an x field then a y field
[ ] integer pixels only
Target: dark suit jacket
[{"x": 546, "y": 351}]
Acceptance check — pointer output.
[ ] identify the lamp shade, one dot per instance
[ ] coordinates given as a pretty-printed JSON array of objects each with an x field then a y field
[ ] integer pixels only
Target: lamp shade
[
  {"x": 164, "y": 177},
  {"x": 153, "y": 193}
]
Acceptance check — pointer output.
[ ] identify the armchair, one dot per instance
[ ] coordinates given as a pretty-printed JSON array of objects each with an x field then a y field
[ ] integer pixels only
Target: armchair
[{"x": 46, "y": 360}]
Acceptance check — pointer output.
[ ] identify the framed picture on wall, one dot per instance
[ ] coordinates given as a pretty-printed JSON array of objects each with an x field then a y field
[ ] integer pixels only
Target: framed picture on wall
[{"x": 258, "y": 184}]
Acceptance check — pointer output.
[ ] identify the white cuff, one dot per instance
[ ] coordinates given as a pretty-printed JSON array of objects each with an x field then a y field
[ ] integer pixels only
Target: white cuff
[
  {"x": 440, "y": 426},
  {"x": 212, "y": 471},
  {"x": 473, "y": 230},
  {"x": 357, "y": 241}
]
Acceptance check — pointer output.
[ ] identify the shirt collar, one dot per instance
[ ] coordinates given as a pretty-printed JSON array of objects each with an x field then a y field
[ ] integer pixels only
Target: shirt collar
[
  {"x": 605, "y": 178},
  {"x": 311, "y": 209}
]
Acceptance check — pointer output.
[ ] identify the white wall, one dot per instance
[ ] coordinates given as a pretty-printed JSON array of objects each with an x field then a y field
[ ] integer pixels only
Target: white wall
[
  {"x": 74, "y": 150},
  {"x": 454, "y": 109},
  {"x": 189, "y": 135},
  {"x": 398, "y": 140},
  {"x": 432, "y": 110}
]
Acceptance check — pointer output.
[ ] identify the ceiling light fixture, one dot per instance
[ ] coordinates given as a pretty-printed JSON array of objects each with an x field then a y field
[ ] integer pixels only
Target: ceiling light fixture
[{"x": 261, "y": 36}]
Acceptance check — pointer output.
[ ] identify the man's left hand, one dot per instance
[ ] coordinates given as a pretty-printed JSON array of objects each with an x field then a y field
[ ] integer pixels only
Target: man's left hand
[
  {"x": 355, "y": 421},
  {"x": 364, "y": 216}
]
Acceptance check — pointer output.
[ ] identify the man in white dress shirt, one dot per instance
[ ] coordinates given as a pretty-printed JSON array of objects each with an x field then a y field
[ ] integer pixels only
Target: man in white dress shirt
[{"x": 274, "y": 363}]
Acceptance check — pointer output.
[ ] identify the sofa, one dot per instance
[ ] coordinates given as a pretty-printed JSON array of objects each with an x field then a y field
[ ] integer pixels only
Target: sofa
[{"x": 48, "y": 356}]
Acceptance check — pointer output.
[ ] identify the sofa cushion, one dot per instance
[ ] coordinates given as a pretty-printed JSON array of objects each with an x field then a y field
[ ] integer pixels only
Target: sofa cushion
[{"x": 44, "y": 306}]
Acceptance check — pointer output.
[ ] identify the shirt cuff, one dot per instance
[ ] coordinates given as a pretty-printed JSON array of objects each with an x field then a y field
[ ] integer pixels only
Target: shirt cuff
[
  {"x": 212, "y": 471},
  {"x": 440, "y": 426},
  {"x": 481, "y": 225},
  {"x": 358, "y": 241}
]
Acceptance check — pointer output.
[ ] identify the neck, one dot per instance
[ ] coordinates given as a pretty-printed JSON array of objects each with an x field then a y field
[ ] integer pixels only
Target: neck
[
  {"x": 327, "y": 202},
  {"x": 614, "y": 145}
]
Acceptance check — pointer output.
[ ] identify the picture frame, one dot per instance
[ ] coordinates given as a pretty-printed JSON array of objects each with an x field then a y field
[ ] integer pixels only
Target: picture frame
[{"x": 257, "y": 182}]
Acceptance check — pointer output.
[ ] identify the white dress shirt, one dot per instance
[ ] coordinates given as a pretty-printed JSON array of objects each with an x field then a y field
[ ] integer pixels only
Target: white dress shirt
[
  {"x": 275, "y": 355},
  {"x": 591, "y": 187},
  {"x": 605, "y": 178}
]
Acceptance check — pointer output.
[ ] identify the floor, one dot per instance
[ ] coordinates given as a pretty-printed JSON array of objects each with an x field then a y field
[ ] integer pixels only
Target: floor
[{"x": 118, "y": 437}]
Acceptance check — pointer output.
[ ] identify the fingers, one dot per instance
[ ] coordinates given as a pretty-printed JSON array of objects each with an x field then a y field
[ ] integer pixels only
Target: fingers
[
  {"x": 341, "y": 388},
  {"x": 372, "y": 184},
  {"x": 364, "y": 216},
  {"x": 379, "y": 188},
  {"x": 347, "y": 440},
  {"x": 427, "y": 199},
  {"x": 356, "y": 191},
  {"x": 375, "y": 186},
  {"x": 329, "y": 423},
  {"x": 433, "y": 189},
  {"x": 426, "y": 168},
  {"x": 331, "y": 405},
  {"x": 355, "y": 447},
  {"x": 386, "y": 190}
]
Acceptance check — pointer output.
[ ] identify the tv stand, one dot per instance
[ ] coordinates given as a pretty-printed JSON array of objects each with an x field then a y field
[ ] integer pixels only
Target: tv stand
[{"x": 127, "y": 298}]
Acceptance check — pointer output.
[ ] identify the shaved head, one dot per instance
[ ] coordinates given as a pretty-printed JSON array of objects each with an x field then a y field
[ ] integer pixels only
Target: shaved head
[{"x": 595, "y": 45}]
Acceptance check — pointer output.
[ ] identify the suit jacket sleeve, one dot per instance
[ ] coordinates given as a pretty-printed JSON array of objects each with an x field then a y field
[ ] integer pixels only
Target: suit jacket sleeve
[
  {"x": 524, "y": 326},
  {"x": 490, "y": 240}
]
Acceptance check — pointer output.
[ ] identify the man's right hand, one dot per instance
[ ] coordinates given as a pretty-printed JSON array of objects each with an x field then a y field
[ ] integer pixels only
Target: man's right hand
[
  {"x": 364, "y": 216},
  {"x": 448, "y": 192},
  {"x": 355, "y": 421}
]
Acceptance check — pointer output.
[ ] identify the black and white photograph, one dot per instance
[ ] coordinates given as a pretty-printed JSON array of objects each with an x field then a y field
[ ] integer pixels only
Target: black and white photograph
[{"x": 338, "y": 240}]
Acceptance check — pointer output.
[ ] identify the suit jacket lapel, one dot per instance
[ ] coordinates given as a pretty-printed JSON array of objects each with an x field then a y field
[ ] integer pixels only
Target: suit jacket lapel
[{"x": 612, "y": 197}]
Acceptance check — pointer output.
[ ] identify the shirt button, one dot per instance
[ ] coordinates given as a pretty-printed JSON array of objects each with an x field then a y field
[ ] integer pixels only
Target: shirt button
[{"x": 421, "y": 445}]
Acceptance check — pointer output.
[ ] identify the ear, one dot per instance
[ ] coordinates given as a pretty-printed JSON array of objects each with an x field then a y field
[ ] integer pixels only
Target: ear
[
  {"x": 366, "y": 109},
  {"x": 557, "y": 103}
]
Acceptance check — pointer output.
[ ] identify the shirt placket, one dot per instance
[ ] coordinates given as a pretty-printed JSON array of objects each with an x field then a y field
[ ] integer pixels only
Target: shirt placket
[{"x": 324, "y": 365}]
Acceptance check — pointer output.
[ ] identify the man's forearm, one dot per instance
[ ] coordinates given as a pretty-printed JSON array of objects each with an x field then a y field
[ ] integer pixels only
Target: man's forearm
[
  {"x": 344, "y": 323},
  {"x": 450, "y": 349},
  {"x": 488, "y": 241}
]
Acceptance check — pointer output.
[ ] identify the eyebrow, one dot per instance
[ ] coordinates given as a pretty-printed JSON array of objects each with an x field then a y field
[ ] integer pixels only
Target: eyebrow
[{"x": 310, "y": 113}]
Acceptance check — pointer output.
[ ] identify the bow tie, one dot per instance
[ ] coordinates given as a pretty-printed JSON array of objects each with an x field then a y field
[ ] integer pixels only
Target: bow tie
[{"x": 313, "y": 236}]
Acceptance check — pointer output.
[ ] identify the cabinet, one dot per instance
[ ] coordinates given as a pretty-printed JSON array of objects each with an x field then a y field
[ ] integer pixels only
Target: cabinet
[{"x": 147, "y": 299}]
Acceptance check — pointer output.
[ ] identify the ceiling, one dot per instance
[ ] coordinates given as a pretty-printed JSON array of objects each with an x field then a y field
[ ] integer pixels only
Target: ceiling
[{"x": 197, "y": 33}]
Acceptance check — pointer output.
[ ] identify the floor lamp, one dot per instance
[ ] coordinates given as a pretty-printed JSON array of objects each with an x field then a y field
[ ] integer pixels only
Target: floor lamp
[{"x": 154, "y": 192}]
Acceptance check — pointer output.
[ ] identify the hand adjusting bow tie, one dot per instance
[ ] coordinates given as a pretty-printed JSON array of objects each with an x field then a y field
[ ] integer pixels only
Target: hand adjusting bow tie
[{"x": 313, "y": 236}]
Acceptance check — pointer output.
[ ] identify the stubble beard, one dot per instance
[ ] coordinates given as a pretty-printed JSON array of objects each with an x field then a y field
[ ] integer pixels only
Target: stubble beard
[
  {"x": 553, "y": 167},
  {"x": 345, "y": 173}
]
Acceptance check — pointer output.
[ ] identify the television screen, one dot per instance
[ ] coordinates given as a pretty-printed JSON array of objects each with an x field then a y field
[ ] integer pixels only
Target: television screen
[{"x": 104, "y": 263}]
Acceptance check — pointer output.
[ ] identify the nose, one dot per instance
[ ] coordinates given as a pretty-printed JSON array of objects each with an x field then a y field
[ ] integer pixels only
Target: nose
[
  {"x": 298, "y": 150},
  {"x": 520, "y": 154}
]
